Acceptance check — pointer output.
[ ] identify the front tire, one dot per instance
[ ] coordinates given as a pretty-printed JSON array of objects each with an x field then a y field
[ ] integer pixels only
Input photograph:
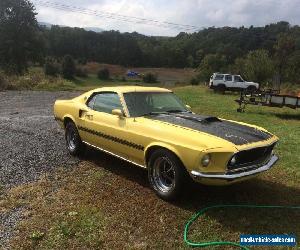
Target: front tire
[
  {"x": 221, "y": 88},
  {"x": 74, "y": 144},
  {"x": 167, "y": 175},
  {"x": 251, "y": 89}
]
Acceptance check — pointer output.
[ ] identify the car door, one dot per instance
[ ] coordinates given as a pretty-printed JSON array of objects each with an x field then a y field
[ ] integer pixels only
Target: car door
[
  {"x": 228, "y": 81},
  {"x": 238, "y": 82},
  {"x": 103, "y": 129}
]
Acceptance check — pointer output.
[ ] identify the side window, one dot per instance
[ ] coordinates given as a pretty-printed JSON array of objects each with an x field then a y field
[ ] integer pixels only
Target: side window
[
  {"x": 228, "y": 78},
  {"x": 106, "y": 102},
  {"x": 91, "y": 102},
  {"x": 219, "y": 77},
  {"x": 238, "y": 79}
]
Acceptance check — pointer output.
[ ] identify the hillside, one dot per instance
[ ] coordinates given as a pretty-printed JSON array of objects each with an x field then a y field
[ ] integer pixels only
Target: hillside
[
  {"x": 214, "y": 49},
  {"x": 181, "y": 51}
]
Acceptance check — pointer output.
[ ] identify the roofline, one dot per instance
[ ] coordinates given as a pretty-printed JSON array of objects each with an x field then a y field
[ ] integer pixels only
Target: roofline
[{"x": 131, "y": 88}]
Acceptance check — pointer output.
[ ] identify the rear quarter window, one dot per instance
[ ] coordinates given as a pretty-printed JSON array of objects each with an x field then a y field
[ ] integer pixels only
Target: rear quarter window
[{"x": 219, "y": 77}]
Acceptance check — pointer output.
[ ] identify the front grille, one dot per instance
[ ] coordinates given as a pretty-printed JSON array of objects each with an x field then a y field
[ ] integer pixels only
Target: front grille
[{"x": 254, "y": 157}]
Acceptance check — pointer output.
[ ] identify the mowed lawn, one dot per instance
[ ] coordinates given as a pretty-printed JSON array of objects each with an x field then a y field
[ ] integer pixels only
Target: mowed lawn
[{"x": 105, "y": 203}]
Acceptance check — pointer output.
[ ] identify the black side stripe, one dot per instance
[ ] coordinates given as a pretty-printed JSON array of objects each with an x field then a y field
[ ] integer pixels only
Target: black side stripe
[{"x": 112, "y": 138}]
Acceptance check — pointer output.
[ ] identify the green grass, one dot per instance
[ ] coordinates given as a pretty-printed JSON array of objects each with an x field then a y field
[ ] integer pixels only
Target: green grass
[
  {"x": 105, "y": 203},
  {"x": 83, "y": 228},
  {"x": 35, "y": 79},
  {"x": 78, "y": 83}
]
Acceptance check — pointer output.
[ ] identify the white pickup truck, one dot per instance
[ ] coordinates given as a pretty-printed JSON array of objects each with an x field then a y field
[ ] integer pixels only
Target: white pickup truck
[{"x": 221, "y": 82}]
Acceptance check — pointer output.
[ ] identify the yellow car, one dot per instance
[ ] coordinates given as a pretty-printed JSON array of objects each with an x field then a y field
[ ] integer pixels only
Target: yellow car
[{"x": 150, "y": 127}]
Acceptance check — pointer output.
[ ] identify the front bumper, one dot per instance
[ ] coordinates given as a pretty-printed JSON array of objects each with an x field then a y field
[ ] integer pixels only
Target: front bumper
[{"x": 228, "y": 177}]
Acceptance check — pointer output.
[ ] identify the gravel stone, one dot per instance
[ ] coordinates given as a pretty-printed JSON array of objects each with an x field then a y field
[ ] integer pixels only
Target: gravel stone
[
  {"x": 9, "y": 221},
  {"x": 31, "y": 144}
]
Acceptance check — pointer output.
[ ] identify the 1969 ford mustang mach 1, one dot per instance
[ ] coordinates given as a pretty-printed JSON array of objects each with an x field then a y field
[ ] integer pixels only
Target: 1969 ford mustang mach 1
[{"x": 152, "y": 128}]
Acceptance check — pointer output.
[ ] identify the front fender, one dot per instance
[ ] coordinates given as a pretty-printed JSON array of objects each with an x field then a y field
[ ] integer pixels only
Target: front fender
[{"x": 187, "y": 156}]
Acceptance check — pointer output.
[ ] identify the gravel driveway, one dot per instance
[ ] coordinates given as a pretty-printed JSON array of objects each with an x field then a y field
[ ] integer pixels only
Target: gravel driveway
[{"x": 31, "y": 142}]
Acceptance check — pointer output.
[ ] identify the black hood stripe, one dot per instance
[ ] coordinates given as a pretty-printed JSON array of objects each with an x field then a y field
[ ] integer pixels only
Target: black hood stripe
[{"x": 231, "y": 131}]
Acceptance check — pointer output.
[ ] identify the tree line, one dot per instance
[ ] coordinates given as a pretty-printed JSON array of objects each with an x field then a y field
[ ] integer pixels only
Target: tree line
[{"x": 258, "y": 53}]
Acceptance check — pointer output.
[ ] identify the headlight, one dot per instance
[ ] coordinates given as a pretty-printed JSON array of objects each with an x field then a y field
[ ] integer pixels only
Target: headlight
[
  {"x": 233, "y": 160},
  {"x": 205, "y": 160}
]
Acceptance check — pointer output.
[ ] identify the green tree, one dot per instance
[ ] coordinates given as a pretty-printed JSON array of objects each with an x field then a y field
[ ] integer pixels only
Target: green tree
[
  {"x": 258, "y": 66},
  {"x": 292, "y": 71},
  {"x": 3, "y": 81},
  {"x": 68, "y": 67},
  {"x": 51, "y": 67},
  {"x": 190, "y": 61},
  {"x": 198, "y": 57},
  {"x": 103, "y": 74},
  {"x": 20, "y": 40},
  {"x": 210, "y": 64},
  {"x": 284, "y": 48}
]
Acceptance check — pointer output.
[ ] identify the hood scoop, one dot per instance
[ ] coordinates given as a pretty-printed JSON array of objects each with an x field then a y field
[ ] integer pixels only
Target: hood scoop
[{"x": 199, "y": 118}]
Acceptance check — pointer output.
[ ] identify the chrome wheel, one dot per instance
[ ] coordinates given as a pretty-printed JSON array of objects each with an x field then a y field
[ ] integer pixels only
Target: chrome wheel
[
  {"x": 71, "y": 139},
  {"x": 163, "y": 174}
]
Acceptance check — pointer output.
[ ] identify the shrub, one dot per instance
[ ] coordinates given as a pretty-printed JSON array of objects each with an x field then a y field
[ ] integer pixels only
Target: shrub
[
  {"x": 3, "y": 82},
  {"x": 81, "y": 72},
  {"x": 103, "y": 74},
  {"x": 82, "y": 61},
  {"x": 51, "y": 67},
  {"x": 210, "y": 64},
  {"x": 194, "y": 81},
  {"x": 150, "y": 78},
  {"x": 258, "y": 67},
  {"x": 68, "y": 67}
]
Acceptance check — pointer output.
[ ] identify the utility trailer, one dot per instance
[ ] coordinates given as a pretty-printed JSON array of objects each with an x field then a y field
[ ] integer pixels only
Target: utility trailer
[{"x": 270, "y": 98}]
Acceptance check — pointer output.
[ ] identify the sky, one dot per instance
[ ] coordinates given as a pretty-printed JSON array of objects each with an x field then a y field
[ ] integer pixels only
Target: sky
[{"x": 199, "y": 13}]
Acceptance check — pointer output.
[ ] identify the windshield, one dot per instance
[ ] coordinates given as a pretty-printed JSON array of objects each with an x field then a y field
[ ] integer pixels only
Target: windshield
[{"x": 144, "y": 103}]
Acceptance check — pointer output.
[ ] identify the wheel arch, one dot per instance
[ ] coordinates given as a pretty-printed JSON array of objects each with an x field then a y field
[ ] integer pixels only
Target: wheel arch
[
  {"x": 68, "y": 118},
  {"x": 159, "y": 145},
  {"x": 221, "y": 85}
]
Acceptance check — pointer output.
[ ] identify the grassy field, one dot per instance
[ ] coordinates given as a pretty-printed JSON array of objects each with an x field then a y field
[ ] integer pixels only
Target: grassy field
[
  {"x": 35, "y": 79},
  {"x": 107, "y": 203}
]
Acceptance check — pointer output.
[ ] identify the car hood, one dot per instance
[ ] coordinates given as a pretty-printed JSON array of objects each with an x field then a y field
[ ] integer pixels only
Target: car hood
[{"x": 236, "y": 133}]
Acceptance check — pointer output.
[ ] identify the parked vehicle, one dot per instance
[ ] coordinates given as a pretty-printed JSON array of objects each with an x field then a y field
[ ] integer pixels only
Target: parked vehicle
[
  {"x": 150, "y": 127},
  {"x": 222, "y": 82}
]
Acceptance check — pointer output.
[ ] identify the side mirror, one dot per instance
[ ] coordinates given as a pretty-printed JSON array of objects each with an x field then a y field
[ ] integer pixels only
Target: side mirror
[
  {"x": 117, "y": 112},
  {"x": 188, "y": 106}
]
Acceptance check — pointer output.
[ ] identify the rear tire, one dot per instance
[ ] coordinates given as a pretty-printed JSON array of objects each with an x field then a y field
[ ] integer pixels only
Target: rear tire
[
  {"x": 74, "y": 144},
  {"x": 167, "y": 175},
  {"x": 220, "y": 89}
]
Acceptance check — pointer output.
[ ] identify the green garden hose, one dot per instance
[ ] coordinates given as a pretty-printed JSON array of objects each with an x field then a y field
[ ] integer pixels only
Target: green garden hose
[{"x": 222, "y": 243}]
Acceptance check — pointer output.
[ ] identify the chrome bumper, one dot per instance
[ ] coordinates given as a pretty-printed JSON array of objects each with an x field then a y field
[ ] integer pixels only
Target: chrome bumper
[{"x": 231, "y": 177}]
